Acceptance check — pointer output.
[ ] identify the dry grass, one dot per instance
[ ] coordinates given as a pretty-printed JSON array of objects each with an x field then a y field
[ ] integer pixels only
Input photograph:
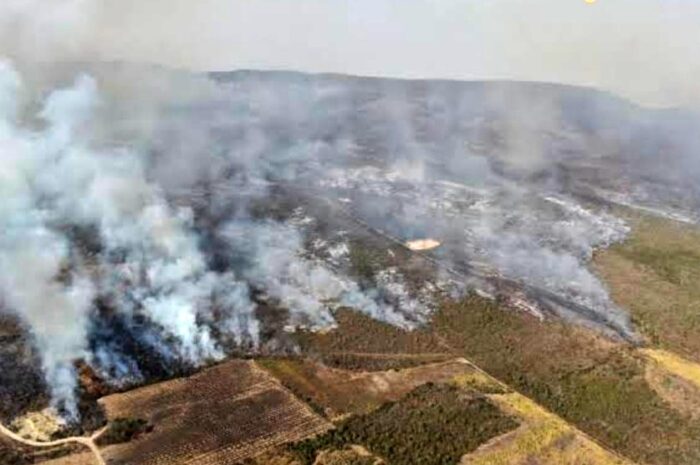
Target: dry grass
[
  {"x": 675, "y": 379},
  {"x": 37, "y": 426},
  {"x": 654, "y": 275},
  {"x": 277, "y": 456},
  {"x": 480, "y": 382},
  {"x": 353, "y": 455},
  {"x": 544, "y": 439},
  {"x": 675, "y": 365},
  {"x": 82, "y": 458},
  {"x": 679, "y": 393}
]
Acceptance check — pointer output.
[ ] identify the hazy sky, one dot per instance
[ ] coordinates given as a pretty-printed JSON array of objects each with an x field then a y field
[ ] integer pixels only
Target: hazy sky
[{"x": 643, "y": 49}]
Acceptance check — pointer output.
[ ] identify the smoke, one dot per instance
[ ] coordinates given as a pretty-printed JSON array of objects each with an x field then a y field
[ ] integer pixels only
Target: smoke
[
  {"x": 34, "y": 254},
  {"x": 641, "y": 49},
  {"x": 83, "y": 220},
  {"x": 150, "y": 208},
  {"x": 271, "y": 259},
  {"x": 525, "y": 232},
  {"x": 39, "y": 31}
]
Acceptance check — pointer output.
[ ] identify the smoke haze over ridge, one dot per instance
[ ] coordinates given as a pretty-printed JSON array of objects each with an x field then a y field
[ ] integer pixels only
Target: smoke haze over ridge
[{"x": 641, "y": 49}]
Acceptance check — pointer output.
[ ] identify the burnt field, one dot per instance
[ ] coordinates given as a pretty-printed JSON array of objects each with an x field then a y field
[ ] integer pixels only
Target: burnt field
[{"x": 22, "y": 386}]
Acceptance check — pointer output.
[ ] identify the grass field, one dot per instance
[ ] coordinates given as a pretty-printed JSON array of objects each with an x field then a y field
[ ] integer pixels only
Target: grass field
[
  {"x": 655, "y": 275},
  {"x": 361, "y": 335}
]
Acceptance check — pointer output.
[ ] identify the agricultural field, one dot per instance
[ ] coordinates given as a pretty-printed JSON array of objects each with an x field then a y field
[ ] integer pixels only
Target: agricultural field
[
  {"x": 218, "y": 416},
  {"x": 340, "y": 392}
]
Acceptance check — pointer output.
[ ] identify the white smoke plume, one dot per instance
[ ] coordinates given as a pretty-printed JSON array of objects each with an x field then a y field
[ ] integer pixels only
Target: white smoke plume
[
  {"x": 34, "y": 253},
  {"x": 57, "y": 184},
  {"x": 272, "y": 258}
]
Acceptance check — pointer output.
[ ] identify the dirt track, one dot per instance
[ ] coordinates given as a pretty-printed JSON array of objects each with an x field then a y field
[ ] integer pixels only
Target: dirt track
[{"x": 88, "y": 442}]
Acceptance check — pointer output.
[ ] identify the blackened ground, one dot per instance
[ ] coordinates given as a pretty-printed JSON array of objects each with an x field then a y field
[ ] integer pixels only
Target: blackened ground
[{"x": 22, "y": 387}]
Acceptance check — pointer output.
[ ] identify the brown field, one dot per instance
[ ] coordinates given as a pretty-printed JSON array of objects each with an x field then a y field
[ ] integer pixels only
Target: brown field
[
  {"x": 219, "y": 416},
  {"x": 341, "y": 392},
  {"x": 81, "y": 458}
]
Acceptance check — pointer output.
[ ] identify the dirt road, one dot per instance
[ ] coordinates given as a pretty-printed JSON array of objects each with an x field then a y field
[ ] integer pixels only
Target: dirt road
[{"x": 88, "y": 442}]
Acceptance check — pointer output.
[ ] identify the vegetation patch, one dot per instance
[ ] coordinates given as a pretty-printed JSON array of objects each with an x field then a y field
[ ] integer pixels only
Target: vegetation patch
[
  {"x": 544, "y": 436},
  {"x": 364, "y": 262},
  {"x": 434, "y": 424},
  {"x": 358, "y": 333},
  {"x": 14, "y": 453},
  {"x": 590, "y": 382},
  {"x": 654, "y": 275},
  {"x": 340, "y": 392},
  {"x": 479, "y": 382},
  {"x": 380, "y": 362},
  {"x": 122, "y": 430}
]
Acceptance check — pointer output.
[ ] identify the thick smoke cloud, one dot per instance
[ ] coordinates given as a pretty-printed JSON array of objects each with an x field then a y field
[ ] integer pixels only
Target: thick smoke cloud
[
  {"x": 83, "y": 221},
  {"x": 33, "y": 254},
  {"x": 271, "y": 261}
]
